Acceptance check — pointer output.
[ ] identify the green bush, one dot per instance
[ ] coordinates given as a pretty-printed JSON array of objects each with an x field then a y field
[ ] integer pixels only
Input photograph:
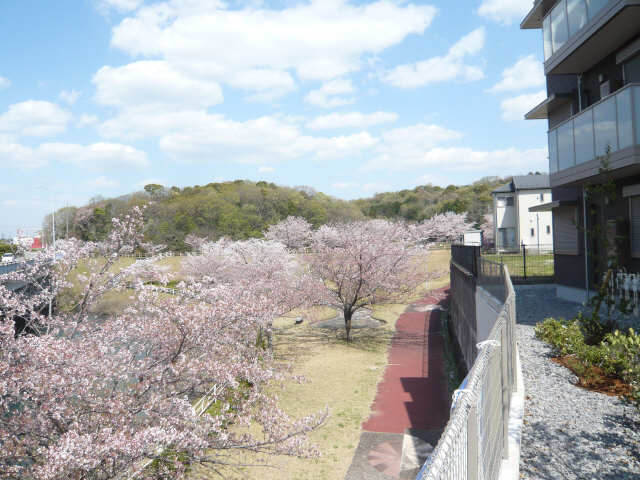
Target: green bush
[
  {"x": 565, "y": 337},
  {"x": 623, "y": 353},
  {"x": 618, "y": 354}
]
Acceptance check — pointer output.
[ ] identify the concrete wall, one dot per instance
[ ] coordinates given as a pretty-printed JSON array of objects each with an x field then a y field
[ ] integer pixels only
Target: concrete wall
[{"x": 487, "y": 311}]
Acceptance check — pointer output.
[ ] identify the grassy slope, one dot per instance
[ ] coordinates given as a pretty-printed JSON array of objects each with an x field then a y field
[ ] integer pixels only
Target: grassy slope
[{"x": 343, "y": 377}]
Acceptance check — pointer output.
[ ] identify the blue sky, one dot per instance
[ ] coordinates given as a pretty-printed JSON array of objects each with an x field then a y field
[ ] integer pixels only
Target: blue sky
[{"x": 99, "y": 97}]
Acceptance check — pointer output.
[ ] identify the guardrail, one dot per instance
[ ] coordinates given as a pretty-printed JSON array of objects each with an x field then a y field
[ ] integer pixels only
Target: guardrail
[{"x": 475, "y": 440}]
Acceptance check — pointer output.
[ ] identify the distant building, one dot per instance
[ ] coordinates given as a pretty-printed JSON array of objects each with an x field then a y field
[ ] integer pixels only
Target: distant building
[
  {"x": 592, "y": 68},
  {"x": 28, "y": 242},
  {"x": 515, "y": 225}
]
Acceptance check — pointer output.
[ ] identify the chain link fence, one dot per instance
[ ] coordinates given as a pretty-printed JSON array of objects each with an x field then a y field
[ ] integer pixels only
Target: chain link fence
[{"x": 475, "y": 440}]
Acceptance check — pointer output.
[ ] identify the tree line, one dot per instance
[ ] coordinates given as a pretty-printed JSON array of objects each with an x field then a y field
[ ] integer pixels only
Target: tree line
[{"x": 243, "y": 209}]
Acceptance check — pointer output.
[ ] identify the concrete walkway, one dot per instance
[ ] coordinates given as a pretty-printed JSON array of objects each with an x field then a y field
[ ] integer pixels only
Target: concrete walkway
[{"x": 411, "y": 407}]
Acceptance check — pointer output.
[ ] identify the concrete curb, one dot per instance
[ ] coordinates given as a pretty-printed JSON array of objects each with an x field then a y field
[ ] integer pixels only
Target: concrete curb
[{"x": 510, "y": 468}]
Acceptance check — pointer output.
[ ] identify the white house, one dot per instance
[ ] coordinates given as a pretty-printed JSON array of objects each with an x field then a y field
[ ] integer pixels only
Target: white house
[{"x": 515, "y": 225}]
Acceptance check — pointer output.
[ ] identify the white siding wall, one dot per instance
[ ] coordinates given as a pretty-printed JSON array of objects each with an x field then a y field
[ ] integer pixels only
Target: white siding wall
[{"x": 531, "y": 220}]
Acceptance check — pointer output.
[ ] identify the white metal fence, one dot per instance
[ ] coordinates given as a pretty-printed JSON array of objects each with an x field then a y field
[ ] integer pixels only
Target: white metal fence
[{"x": 475, "y": 440}]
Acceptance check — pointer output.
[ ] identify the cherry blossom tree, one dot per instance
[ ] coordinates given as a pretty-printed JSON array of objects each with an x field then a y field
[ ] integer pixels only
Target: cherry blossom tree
[
  {"x": 265, "y": 268},
  {"x": 443, "y": 227},
  {"x": 293, "y": 232},
  {"x": 488, "y": 229},
  {"x": 88, "y": 397},
  {"x": 365, "y": 263}
]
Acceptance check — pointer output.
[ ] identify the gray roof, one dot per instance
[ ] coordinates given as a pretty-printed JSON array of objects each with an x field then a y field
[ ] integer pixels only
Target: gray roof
[{"x": 525, "y": 182}]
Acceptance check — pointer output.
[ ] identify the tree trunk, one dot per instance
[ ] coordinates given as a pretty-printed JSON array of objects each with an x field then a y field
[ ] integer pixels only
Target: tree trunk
[{"x": 347, "y": 323}]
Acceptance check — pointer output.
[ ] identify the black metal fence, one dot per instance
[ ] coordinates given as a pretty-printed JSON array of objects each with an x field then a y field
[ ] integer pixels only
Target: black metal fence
[{"x": 529, "y": 264}]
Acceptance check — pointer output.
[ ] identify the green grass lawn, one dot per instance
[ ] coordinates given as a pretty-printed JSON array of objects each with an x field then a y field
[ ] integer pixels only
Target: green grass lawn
[{"x": 538, "y": 265}]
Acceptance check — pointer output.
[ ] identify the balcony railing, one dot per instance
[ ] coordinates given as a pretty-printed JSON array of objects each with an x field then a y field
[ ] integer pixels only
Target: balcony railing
[
  {"x": 612, "y": 124},
  {"x": 565, "y": 20}
]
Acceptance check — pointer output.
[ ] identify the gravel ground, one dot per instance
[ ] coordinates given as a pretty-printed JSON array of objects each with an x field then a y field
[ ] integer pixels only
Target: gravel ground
[{"x": 568, "y": 432}]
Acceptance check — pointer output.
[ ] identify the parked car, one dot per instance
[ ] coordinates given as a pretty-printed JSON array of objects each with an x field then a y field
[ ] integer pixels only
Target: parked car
[{"x": 8, "y": 258}]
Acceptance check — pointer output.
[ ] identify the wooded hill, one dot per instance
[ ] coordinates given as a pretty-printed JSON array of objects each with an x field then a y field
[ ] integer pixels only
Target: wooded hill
[
  {"x": 427, "y": 200},
  {"x": 243, "y": 209}
]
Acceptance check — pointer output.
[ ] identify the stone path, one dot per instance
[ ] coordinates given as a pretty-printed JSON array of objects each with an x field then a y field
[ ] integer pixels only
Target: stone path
[
  {"x": 568, "y": 432},
  {"x": 411, "y": 407}
]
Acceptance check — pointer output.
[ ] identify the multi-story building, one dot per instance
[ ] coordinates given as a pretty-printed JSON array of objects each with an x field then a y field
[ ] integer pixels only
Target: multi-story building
[
  {"x": 514, "y": 224},
  {"x": 592, "y": 67}
]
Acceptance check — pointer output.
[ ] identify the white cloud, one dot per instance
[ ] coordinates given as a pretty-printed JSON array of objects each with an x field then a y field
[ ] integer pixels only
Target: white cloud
[
  {"x": 376, "y": 187},
  {"x": 489, "y": 162},
  {"x": 4, "y": 83},
  {"x": 265, "y": 169},
  {"x": 34, "y": 118},
  {"x": 101, "y": 156},
  {"x": 525, "y": 73},
  {"x": 85, "y": 120},
  {"x": 320, "y": 39},
  {"x": 514, "y": 108},
  {"x": 351, "y": 120},
  {"x": 197, "y": 135},
  {"x": 330, "y": 94},
  {"x": 94, "y": 156},
  {"x": 266, "y": 84},
  {"x": 154, "y": 83},
  {"x": 120, "y": 5},
  {"x": 69, "y": 96},
  {"x": 14, "y": 155},
  {"x": 504, "y": 11},
  {"x": 9, "y": 203},
  {"x": 450, "y": 67},
  {"x": 344, "y": 185},
  {"x": 102, "y": 182}
]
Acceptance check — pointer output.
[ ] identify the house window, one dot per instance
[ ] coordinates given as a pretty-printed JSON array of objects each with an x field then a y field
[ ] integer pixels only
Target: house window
[
  {"x": 565, "y": 230},
  {"x": 533, "y": 232},
  {"x": 509, "y": 201},
  {"x": 548, "y": 229},
  {"x": 634, "y": 216},
  {"x": 542, "y": 197}
]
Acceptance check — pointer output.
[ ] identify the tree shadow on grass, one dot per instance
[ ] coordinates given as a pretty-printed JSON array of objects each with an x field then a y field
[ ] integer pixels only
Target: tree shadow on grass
[{"x": 581, "y": 454}]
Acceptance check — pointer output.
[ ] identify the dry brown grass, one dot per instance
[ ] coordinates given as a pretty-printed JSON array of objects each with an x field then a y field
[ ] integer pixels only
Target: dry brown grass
[{"x": 340, "y": 375}]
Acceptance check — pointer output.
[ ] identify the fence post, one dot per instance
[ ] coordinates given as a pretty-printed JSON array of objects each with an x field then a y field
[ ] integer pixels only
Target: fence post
[
  {"x": 524, "y": 260},
  {"x": 472, "y": 442}
]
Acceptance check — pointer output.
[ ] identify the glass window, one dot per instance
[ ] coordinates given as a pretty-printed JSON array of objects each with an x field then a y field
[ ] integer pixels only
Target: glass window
[
  {"x": 546, "y": 37},
  {"x": 604, "y": 123},
  {"x": 577, "y": 15},
  {"x": 583, "y": 131},
  {"x": 559, "y": 32},
  {"x": 533, "y": 232},
  {"x": 548, "y": 229},
  {"x": 595, "y": 6},
  {"x": 509, "y": 201},
  {"x": 553, "y": 151},
  {"x": 625, "y": 122},
  {"x": 565, "y": 146}
]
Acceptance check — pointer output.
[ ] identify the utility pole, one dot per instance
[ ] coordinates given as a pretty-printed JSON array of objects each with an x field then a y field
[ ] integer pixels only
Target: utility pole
[
  {"x": 66, "y": 215},
  {"x": 53, "y": 235}
]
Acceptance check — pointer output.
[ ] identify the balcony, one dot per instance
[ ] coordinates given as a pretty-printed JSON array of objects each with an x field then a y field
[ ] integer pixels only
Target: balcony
[
  {"x": 612, "y": 124},
  {"x": 577, "y": 34}
]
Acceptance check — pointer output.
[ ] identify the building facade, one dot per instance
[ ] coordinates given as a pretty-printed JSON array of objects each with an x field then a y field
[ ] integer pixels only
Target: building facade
[
  {"x": 514, "y": 224},
  {"x": 592, "y": 68}
]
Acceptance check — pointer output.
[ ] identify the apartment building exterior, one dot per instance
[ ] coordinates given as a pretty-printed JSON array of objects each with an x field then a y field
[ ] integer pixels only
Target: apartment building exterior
[
  {"x": 592, "y": 68},
  {"x": 515, "y": 225}
]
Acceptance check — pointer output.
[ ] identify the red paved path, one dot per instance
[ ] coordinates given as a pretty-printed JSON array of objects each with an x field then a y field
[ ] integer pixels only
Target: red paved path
[{"x": 413, "y": 391}]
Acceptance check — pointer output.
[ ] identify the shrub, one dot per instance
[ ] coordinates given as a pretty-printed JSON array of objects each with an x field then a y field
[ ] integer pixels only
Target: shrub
[
  {"x": 623, "y": 354},
  {"x": 618, "y": 354},
  {"x": 565, "y": 337}
]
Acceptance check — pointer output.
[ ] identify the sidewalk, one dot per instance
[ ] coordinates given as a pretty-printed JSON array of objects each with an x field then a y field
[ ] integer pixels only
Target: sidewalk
[{"x": 412, "y": 404}]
